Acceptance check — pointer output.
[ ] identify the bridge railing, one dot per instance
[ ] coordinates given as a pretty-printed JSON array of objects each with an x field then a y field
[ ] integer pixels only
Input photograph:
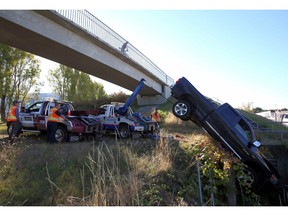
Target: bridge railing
[{"x": 102, "y": 32}]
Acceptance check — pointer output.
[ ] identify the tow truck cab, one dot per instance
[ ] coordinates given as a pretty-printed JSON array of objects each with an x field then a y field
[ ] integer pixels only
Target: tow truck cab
[{"x": 35, "y": 117}]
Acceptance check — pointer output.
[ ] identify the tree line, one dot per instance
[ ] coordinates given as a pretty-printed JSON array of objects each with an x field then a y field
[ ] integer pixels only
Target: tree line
[{"x": 20, "y": 72}]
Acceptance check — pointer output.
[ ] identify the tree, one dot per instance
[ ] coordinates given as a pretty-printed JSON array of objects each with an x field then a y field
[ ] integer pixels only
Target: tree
[
  {"x": 19, "y": 72},
  {"x": 5, "y": 76},
  {"x": 247, "y": 106},
  {"x": 118, "y": 96},
  {"x": 257, "y": 110},
  {"x": 74, "y": 85},
  {"x": 25, "y": 76},
  {"x": 59, "y": 79}
]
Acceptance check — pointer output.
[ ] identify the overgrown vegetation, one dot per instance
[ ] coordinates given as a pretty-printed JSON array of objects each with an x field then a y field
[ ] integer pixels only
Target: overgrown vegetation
[
  {"x": 19, "y": 72},
  {"x": 182, "y": 168}
]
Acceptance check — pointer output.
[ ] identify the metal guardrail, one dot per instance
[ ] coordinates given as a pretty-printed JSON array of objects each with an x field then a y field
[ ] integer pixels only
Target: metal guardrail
[
  {"x": 271, "y": 126},
  {"x": 97, "y": 28},
  {"x": 274, "y": 133}
]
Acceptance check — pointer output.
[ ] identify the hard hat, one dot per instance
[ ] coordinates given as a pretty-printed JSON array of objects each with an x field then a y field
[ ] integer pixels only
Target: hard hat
[{"x": 16, "y": 101}]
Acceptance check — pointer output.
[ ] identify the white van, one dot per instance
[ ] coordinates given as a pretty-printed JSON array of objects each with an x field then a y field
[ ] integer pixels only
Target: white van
[{"x": 284, "y": 119}]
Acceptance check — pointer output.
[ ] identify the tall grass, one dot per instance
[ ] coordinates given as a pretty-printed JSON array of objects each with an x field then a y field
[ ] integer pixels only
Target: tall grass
[
  {"x": 118, "y": 173},
  {"x": 115, "y": 172},
  {"x": 124, "y": 175},
  {"x": 114, "y": 180}
]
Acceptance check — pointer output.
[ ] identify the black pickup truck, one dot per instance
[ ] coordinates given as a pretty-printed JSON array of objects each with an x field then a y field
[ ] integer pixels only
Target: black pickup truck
[{"x": 228, "y": 128}]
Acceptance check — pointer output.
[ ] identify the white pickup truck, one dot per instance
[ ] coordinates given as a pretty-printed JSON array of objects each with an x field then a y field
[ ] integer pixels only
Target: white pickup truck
[
  {"x": 125, "y": 125},
  {"x": 119, "y": 117},
  {"x": 284, "y": 119}
]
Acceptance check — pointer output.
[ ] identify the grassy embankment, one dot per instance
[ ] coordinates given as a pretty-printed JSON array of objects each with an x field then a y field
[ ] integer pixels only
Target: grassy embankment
[
  {"x": 269, "y": 132},
  {"x": 113, "y": 172}
]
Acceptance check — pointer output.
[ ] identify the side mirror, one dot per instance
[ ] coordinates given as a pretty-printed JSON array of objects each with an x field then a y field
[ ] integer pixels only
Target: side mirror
[{"x": 256, "y": 143}]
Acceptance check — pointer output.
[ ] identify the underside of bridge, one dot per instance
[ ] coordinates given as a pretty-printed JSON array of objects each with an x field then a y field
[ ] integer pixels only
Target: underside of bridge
[{"x": 44, "y": 34}]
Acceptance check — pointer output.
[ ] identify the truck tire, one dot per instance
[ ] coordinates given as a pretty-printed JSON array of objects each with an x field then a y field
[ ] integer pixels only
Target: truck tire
[
  {"x": 61, "y": 134},
  {"x": 181, "y": 109},
  {"x": 251, "y": 177},
  {"x": 124, "y": 131}
]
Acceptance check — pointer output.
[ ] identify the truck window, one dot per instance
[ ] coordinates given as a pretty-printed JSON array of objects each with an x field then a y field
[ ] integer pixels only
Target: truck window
[
  {"x": 244, "y": 129},
  {"x": 112, "y": 111},
  {"x": 229, "y": 114},
  {"x": 35, "y": 107},
  {"x": 47, "y": 109},
  {"x": 130, "y": 111}
]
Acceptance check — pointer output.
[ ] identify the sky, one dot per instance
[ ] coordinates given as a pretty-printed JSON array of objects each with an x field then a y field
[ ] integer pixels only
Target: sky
[{"x": 235, "y": 54}]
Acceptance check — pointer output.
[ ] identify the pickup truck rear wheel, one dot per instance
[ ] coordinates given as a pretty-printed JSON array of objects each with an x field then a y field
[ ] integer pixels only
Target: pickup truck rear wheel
[
  {"x": 251, "y": 177},
  {"x": 61, "y": 134},
  {"x": 181, "y": 109},
  {"x": 124, "y": 131}
]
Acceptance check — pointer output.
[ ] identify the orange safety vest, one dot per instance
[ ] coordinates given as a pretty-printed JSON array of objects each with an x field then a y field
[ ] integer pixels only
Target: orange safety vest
[
  {"x": 156, "y": 116},
  {"x": 12, "y": 114},
  {"x": 53, "y": 117}
]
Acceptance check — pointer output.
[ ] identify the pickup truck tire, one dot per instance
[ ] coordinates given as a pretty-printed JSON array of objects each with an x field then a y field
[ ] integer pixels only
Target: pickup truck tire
[
  {"x": 61, "y": 134},
  {"x": 181, "y": 109},
  {"x": 251, "y": 178},
  {"x": 124, "y": 131}
]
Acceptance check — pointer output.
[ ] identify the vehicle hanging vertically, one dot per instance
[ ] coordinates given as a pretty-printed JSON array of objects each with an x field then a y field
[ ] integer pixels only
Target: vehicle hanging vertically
[{"x": 228, "y": 128}]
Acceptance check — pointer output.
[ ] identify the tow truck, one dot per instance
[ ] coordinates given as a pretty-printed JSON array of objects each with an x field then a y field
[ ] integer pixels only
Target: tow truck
[
  {"x": 72, "y": 128},
  {"x": 116, "y": 118},
  {"x": 120, "y": 118}
]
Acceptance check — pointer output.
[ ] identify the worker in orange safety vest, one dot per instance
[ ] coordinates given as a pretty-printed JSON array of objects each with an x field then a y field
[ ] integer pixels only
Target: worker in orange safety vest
[
  {"x": 52, "y": 123},
  {"x": 13, "y": 119},
  {"x": 156, "y": 116}
]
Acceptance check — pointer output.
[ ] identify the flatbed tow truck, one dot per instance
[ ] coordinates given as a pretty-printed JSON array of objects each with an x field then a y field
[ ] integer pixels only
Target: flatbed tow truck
[
  {"x": 119, "y": 118},
  {"x": 78, "y": 124}
]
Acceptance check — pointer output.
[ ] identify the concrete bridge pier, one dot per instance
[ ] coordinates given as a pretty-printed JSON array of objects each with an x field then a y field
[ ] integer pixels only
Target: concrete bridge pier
[{"x": 154, "y": 99}]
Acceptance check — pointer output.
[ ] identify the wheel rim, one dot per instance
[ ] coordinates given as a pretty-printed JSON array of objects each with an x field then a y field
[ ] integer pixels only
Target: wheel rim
[
  {"x": 246, "y": 178},
  {"x": 59, "y": 135},
  {"x": 124, "y": 132},
  {"x": 181, "y": 109}
]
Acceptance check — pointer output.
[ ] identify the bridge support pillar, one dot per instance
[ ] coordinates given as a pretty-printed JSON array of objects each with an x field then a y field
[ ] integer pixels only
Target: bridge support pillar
[{"x": 154, "y": 99}]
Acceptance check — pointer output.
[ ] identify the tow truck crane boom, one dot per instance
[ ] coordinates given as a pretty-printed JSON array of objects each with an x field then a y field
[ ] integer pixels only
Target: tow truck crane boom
[{"x": 124, "y": 109}]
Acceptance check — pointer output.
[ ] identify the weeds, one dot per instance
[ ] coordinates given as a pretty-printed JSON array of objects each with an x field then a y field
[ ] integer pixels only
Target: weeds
[{"x": 115, "y": 172}]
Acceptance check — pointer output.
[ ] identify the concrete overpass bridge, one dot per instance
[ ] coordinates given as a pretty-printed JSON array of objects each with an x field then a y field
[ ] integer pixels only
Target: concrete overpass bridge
[{"x": 78, "y": 39}]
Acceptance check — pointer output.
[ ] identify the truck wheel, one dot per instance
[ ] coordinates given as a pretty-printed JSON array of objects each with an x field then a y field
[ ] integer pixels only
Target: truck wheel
[
  {"x": 181, "y": 109},
  {"x": 61, "y": 134},
  {"x": 251, "y": 178},
  {"x": 124, "y": 131}
]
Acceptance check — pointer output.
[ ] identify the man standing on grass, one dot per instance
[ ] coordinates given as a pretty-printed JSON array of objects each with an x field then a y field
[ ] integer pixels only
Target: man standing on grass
[
  {"x": 156, "y": 116},
  {"x": 52, "y": 123},
  {"x": 57, "y": 114},
  {"x": 14, "y": 120}
]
